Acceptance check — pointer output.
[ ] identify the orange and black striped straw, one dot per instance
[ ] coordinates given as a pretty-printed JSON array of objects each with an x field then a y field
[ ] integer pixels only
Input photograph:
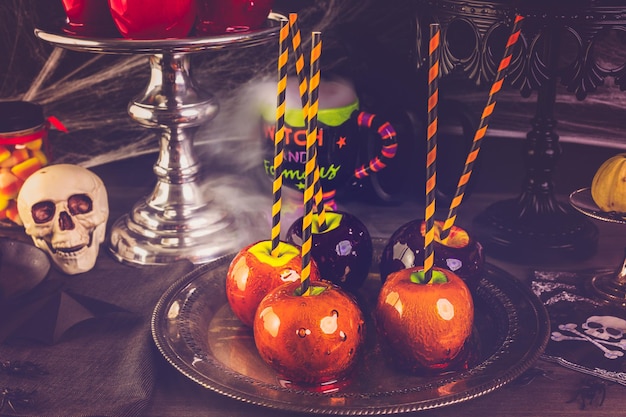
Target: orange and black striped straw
[
  {"x": 279, "y": 136},
  {"x": 303, "y": 89},
  {"x": 482, "y": 127},
  {"x": 309, "y": 170},
  {"x": 431, "y": 148}
]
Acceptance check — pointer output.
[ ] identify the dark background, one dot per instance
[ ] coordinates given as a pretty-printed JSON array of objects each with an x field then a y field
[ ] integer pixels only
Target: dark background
[{"x": 371, "y": 42}]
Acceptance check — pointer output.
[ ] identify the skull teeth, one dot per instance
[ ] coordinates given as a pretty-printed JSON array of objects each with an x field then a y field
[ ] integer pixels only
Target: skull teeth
[{"x": 73, "y": 251}]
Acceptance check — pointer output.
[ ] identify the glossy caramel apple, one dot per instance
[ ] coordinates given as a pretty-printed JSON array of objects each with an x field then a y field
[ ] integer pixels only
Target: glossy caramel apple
[
  {"x": 153, "y": 19},
  {"x": 253, "y": 272},
  {"x": 343, "y": 251},
  {"x": 424, "y": 325},
  {"x": 460, "y": 253},
  {"x": 309, "y": 339}
]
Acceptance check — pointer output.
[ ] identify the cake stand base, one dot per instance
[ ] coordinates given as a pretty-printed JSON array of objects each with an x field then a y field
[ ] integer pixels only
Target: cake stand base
[
  {"x": 561, "y": 234},
  {"x": 147, "y": 236},
  {"x": 608, "y": 288}
]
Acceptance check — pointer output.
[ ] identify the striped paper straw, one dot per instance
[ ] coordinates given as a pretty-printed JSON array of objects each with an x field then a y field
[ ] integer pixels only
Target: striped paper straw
[
  {"x": 431, "y": 149},
  {"x": 482, "y": 127},
  {"x": 279, "y": 137},
  {"x": 303, "y": 89},
  {"x": 310, "y": 163}
]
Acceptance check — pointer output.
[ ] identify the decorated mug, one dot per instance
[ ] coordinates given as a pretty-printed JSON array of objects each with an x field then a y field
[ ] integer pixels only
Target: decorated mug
[{"x": 342, "y": 132}]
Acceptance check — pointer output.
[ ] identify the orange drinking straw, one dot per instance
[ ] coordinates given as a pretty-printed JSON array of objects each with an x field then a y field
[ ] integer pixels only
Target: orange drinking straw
[
  {"x": 279, "y": 137},
  {"x": 431, "y": 149},
  {"x": 482, "y": 128},
  {"x": 309, "y": 170},
  {"x": 296, "y": 41}
]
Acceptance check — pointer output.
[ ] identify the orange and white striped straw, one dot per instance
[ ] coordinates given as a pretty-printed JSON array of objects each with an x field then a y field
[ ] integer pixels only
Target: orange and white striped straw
[
  {"x": 303, "y": 89},
  {"x": 279, "y": 136},
  {"x": 309, "y": 170},
  {"x": 431, "y": 148},
  {"x": 482, "y": 127}
]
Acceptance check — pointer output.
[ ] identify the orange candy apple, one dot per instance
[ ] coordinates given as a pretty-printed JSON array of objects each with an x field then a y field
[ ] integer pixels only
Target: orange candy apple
[
  {"x": 253, "y": 272},
  {"x": 309, "y": 339},
  {"x": 424, "y": 324}
]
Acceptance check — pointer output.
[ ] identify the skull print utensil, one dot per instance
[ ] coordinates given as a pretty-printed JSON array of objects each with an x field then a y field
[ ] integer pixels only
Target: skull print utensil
[{"x": 64, "y": 209}]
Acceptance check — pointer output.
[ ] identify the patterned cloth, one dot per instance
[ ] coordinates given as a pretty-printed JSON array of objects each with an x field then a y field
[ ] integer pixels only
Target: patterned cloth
[
  {"x": 89, "y": 338},
  {"x": 587, "y": 336}
]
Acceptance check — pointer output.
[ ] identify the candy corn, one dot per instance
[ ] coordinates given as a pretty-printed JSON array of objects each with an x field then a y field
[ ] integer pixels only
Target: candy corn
[
  {"x": 4, "y": 154},
  {"x": 9, "y": 184},
  {"x": 25, "y": 169},
  {"x": 17, "y": 163},
  {"x": 12, "y": 214},
  {"x": 34, "y": 145},
  {"x": 18, "y": 155}
]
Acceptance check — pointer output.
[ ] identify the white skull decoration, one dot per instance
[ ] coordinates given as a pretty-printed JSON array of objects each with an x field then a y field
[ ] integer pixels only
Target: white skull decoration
[
  {"x": 605, "y": 327},
  {"x": 64, "y": 209}
]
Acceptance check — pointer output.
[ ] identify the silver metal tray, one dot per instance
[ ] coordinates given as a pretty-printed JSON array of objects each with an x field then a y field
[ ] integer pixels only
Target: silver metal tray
[
  {"x": 582, "y": 201},
  {"x": 195, "y": 330}
]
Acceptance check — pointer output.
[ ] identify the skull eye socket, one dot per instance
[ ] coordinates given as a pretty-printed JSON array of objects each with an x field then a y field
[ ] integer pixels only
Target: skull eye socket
[
  {"x": 43, "y": 211},
  {"x": 612, "y": 331},
  {"x": 594, "y": 325},
  {"x": 79, "y": 204}
]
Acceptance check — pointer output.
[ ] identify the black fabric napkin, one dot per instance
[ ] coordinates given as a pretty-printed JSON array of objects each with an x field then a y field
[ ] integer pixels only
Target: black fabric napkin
[
  {"x": 587, "y": 335},
  {"x": 87, "y": 341}
]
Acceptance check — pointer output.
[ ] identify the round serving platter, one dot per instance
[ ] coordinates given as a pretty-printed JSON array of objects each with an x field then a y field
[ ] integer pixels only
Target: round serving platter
[{"x": 195, "y": 330}]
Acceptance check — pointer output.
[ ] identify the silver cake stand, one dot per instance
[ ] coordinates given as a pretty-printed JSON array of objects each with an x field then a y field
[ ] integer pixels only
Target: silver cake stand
[
  {"x": 608, "y": 286},
  {"x": 178, "y": 220}
]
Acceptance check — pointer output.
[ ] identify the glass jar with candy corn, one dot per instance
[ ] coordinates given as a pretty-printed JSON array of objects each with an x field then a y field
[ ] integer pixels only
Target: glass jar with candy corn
[{"x": 23, "y": 150}]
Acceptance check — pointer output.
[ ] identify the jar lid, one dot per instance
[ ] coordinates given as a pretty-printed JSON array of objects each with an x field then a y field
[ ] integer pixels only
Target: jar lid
[{"x": 20, "y": 115}]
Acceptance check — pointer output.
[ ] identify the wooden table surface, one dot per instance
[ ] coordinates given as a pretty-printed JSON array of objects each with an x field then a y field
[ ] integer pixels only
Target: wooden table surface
[{"x": 552, "y": 392}]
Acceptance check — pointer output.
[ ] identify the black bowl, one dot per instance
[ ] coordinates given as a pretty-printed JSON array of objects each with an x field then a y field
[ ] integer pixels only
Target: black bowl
[{"x": 22, "y": 268}]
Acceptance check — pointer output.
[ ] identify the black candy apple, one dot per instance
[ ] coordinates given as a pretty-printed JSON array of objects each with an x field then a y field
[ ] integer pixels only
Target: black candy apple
[
  {"x": 460, "y": 253},
  {"x": 343, "y": 251}
]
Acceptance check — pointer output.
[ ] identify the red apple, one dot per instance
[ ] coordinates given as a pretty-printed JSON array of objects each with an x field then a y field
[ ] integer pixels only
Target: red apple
[
  {"x": 153, "y": 19},
  {"x": 216, "y": 17},
  {"x": 253, "y": 272},
  {"x": 343, "y": 251},
  {"x": 425, "y": 325},
  {"x": 309, "y": 339},
  {"x": 460, "y": 252},
  {"x": 89, "y": 18}
]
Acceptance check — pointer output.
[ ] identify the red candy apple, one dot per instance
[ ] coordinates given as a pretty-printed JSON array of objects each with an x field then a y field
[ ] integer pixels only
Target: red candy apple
[
  {"x": 253, "y": 272},
  {"x": 460, "y": 252},
  {"x": 309, "y": 339},
  {"x": 153, "y": 19},
  {"x": 88, "y": 18},
  {"x": 425, "y": 325},
  {"x": 343, "y": 252},
  {"x": 216, "y": 17}
]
